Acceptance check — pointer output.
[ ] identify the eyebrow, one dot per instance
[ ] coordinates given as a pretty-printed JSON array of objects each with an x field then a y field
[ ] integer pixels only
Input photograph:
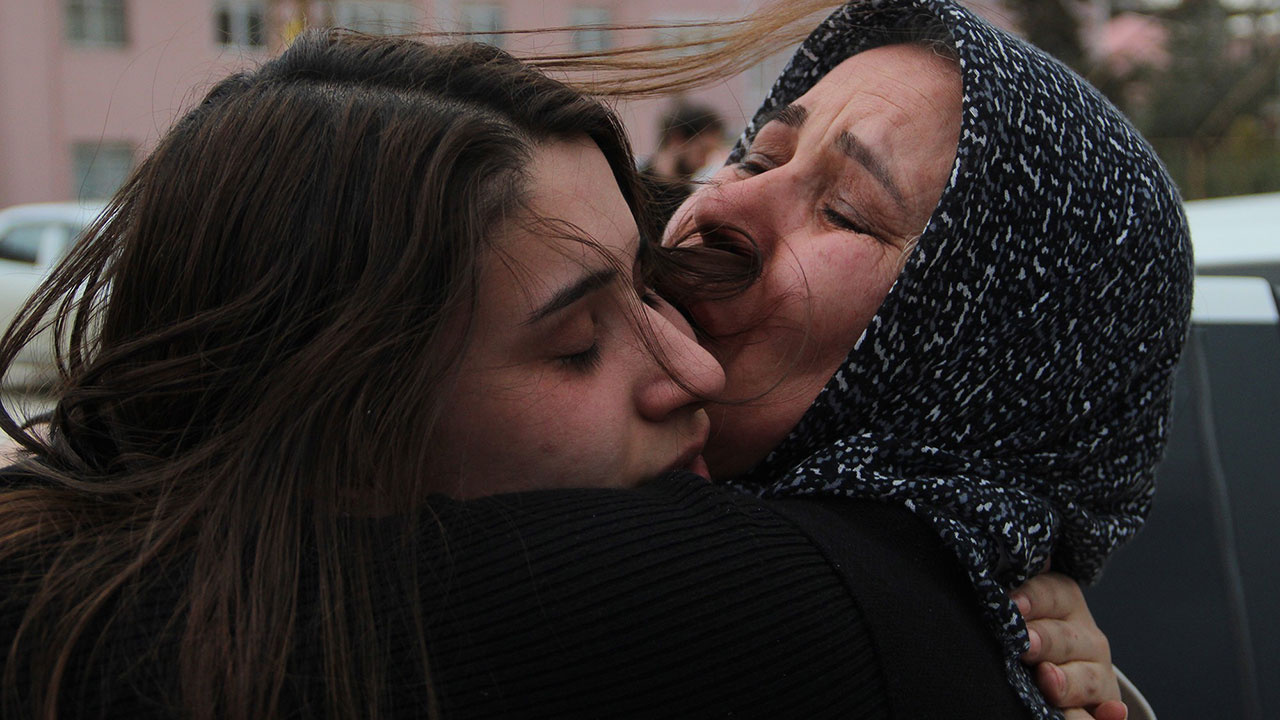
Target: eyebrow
[
  {"x": 791, "y": 115},
  {"x": 794, "y": 116},
  {"x": 856, "y": 150},
  {"x": 572, "y": 293}
]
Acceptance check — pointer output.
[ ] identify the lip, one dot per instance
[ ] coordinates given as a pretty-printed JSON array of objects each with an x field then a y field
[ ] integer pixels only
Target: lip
[
  {"x": 691, "y": 459},
  {"x": 699, "y": 467}
]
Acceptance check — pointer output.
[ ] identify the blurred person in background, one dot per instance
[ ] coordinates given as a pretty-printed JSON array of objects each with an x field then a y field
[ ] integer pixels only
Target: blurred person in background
[{"x": 690, "y": 137}]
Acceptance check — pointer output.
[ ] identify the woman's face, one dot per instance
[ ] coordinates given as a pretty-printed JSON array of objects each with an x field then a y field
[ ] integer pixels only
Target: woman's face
[
  {"x": 834, "y": 189},
  {"x": 558, "y": 387}
]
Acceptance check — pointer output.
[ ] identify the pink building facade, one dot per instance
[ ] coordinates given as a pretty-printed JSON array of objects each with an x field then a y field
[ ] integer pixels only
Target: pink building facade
[
  {"x": 82, "y": 96},
  {"x": 88, "y": 86}
]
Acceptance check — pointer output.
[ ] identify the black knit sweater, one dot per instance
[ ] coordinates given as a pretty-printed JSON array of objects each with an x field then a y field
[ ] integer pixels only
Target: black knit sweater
[{"x": 680, "y": 599}]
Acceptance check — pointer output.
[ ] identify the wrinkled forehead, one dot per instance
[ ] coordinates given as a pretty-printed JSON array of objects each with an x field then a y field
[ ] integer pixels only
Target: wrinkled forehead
[
  {"x": 850, "y": 31},
  {"x": 896, "y": 84},
  {"x": 1001, "y": 76}
]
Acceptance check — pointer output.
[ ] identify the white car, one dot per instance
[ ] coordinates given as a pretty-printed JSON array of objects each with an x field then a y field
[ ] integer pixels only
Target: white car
[
  {"x": 33, "y": 238},
  {"x": 1237, "y": 235}
]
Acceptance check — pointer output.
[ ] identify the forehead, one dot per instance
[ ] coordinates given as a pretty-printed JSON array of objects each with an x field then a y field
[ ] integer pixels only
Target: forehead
[
  {"x": 897, "y": 84},
  {"x": 572, "y": 178},
  {"x": 573, "y": 211}
]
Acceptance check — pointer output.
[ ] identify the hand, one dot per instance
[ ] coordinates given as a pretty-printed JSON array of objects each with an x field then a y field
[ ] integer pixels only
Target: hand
[{"x": 1071, "y": 657}]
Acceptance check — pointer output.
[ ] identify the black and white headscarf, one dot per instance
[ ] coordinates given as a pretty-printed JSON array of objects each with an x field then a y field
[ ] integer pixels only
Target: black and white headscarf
[{"x": 1014, "y": 388}]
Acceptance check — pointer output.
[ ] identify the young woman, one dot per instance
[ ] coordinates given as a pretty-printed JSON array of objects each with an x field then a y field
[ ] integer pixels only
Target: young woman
[{"x": 368, "y": 276}]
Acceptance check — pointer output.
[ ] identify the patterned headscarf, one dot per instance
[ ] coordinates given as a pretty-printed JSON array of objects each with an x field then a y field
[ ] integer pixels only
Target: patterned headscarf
[{"x": 1014, "y": 388}]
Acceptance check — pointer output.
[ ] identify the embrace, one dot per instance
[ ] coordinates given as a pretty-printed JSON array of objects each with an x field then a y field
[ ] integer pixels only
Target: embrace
[{"x": 384, "y": 393}]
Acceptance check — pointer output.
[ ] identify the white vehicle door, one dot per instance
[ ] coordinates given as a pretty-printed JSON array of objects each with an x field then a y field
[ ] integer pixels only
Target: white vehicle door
[{"x": 26, "y": 253}]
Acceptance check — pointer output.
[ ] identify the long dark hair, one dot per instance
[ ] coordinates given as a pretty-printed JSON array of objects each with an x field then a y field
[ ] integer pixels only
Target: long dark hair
[{"x": 255, "y": 333}]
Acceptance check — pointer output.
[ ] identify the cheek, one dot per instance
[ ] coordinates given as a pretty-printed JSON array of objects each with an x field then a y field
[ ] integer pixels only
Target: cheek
[
  {"x": 550, "y": 430},
  {"x": 501, "y": 449},
  {"x": 777, "y": 308},
  {"x": 847, "y": 290},
  {"x": 538, "y": 415}
]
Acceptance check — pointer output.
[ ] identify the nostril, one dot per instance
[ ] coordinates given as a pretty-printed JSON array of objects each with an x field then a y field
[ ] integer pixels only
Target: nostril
[{"x": 729, "y": 239}]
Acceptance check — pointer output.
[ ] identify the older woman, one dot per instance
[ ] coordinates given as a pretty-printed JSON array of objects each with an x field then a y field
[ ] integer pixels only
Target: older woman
[{"x": 975, "y": 287}]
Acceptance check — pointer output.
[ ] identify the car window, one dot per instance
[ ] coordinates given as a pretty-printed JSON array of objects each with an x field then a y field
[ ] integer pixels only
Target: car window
[
  {"x": 1189, "y": 604},
  {"x": 22, "y": 243}
]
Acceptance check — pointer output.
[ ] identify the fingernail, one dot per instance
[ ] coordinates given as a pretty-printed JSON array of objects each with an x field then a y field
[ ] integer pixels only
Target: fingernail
[
  {"x": 1059, "y": 678},
  {"x": 1034, "y": 641},
  {"x": 1024, "y": 605}
]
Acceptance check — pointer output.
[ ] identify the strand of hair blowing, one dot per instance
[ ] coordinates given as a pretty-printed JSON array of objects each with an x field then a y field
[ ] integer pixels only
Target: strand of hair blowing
[
  {"x": 717, "y": 51},
  {"x": 250, "y": 343}
]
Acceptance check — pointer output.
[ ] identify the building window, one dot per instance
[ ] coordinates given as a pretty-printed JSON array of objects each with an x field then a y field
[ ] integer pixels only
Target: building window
[
  {"x": 592, "y": 34},
  {"x": 695, "y": 33},
  {"x": 377, "y": 18},
  {"x": 484, "y": 22},
  {"x": 96, "y": 22},
  {"x": 240, "y": 24},
  {"x": 100, "y": 168}
]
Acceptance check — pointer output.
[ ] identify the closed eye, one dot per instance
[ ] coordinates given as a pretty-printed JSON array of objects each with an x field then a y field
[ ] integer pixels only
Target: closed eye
[
  {"x": 754, "y": 164},
  {"x": 584, "y": 361},
  {"x": 842, "y": 222}
]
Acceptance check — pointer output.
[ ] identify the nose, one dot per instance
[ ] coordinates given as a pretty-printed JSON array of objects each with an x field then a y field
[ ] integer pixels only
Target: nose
[
  {"x": 691, "y": 375},
  {"x": 765, "y": 206}
]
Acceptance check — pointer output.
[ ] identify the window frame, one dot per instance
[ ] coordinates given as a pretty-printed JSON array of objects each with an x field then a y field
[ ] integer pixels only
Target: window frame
[
  {"x": 96, "y": 23},
  {"x": 377, "y": 17},
  {"x": 240, "y": 28},
  {"x": 491, "y": 34},
  {"x": 94, "y": 161},
  {"x": 591, "y": 33}
]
